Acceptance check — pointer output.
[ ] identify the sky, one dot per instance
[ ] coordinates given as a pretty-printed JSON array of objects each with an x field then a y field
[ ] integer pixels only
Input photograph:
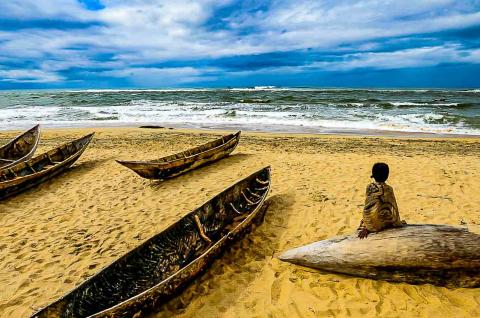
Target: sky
[{"x": 228, "y": 43}]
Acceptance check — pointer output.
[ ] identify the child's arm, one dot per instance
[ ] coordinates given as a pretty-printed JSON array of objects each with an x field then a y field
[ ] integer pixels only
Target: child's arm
[
  {"x": 395, "y": 206},
  {"x": 362, "y": 229}
]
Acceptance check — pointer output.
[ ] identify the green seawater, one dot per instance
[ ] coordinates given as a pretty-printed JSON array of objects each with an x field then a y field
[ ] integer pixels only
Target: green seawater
[{"x": 270, "y": 109}]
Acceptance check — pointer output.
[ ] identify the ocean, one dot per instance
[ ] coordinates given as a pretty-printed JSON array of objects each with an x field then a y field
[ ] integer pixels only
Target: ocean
[{"x": 310, "y": 110}]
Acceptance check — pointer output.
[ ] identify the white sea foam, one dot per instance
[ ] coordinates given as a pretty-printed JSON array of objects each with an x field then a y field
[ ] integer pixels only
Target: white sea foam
[
  {"x": 422, "y": 104},
  {"x": 252, "y": 114},
  {"x": 203, "y": 115},
  {"x": 476, "y": 90}
]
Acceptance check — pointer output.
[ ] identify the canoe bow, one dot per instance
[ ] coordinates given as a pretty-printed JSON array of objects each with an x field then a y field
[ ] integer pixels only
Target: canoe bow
[{"x": 20, "y": 149}]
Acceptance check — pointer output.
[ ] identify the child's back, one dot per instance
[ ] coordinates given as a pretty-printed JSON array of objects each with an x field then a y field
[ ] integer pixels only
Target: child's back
[{"x": 381, "y": 210}]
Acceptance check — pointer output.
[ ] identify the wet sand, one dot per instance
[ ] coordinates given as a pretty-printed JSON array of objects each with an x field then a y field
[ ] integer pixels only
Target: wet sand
[{"x": 54, "y": 236}]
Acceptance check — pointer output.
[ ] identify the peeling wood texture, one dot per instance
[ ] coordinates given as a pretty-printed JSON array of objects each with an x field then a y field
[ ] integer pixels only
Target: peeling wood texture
[
  {"x": 163, "y": 265},
  {"x": 417, "y": 254},
  {"x": 20, "y": 149},
  {"x": 179, "y": 163},
  {"x": 43, "y": 167}
]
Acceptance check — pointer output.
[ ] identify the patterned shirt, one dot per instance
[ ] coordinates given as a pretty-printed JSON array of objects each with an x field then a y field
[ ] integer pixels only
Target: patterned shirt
[{"x": 381, "y": 210}]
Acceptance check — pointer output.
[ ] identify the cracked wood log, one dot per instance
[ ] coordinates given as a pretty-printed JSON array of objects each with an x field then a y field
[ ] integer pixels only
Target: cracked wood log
[{"x": 417, "y": 254}]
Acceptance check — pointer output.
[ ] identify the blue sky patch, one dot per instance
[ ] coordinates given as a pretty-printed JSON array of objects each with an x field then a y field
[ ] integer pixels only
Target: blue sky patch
[
  {"x": 144, "y": 43},
  {"x": 45, "y": 24},
  {"x": 92, "y": 4}
]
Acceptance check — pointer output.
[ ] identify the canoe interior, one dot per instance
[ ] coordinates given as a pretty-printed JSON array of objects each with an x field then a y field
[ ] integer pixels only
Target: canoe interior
[
  {"x": 45, "y": 161},
  {"x": 21, "y": 148},
  {"x": 197, "y": 150},
  {"x": 174, "y": 165},
  {"x": 161, "y": 266},
  {"x": 41, "y": 168}
]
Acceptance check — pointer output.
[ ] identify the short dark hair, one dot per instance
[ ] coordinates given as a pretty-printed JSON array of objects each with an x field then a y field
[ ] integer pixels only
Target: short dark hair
[{"x": 380, "y": 172}]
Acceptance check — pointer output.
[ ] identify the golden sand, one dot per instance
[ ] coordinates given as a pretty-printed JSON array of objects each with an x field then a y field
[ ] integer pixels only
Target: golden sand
[{"x": 55, "y": 235}]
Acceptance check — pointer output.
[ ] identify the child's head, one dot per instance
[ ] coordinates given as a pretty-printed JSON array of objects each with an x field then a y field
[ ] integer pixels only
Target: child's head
[{"x": 380, "y": 172}]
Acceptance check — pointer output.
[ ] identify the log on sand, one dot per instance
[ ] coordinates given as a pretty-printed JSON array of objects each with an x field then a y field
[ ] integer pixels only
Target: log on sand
[{"x": 417, "y": 254}]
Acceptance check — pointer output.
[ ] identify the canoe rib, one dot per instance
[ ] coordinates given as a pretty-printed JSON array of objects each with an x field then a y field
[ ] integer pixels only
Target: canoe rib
[
  {"x": 20, "y": 149},
  {"x": 179, "y": 163},
  {"x": 43, "y": 167},
  {"x": 163, "y": 265},
  {"x": 417, "y": 254}
]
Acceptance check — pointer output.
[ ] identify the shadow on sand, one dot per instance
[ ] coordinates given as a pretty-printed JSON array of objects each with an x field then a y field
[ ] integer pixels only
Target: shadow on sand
[
  {"x": 58, "y": 181},
  {"x": 202, "y": 171},
  {"x": 240, "y": 264}
]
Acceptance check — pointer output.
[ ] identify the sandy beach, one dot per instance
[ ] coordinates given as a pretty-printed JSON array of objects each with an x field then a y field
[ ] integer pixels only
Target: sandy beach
[{"x": 55, "y": 235}]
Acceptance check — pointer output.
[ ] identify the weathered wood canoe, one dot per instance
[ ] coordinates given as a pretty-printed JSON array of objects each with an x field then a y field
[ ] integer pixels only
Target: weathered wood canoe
[
  {"x": 32, "y": 172},
  {"x": 174, "y": 165},
  {"x": 417, "y": 254},
  {"x": 20, "y": 149},
  {"x": 163, "y": 265}
]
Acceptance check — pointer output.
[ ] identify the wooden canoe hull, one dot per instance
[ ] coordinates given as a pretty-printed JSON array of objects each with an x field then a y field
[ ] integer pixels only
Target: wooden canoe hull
[
  {"x": 163, "y": 265},
  {"x": 417, "y": 254},
  {"x": 20, "y": 149},
  {"x": 26, "y": 178},
  {"x": 177, "y": 164}
]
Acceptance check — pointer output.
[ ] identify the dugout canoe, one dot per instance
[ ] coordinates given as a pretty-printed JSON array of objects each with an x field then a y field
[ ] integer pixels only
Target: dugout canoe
[
  {"x": 43, "y": 167},
  {"x": 162, "y": 266},
  {"x": 179, "y": 163},
  {"x": 20, "y": 149},
  {"x": 441, "y": 255}
]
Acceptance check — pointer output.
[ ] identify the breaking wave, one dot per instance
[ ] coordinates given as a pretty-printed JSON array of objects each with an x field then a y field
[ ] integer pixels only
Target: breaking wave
[{"x": 257, "y": 108}]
